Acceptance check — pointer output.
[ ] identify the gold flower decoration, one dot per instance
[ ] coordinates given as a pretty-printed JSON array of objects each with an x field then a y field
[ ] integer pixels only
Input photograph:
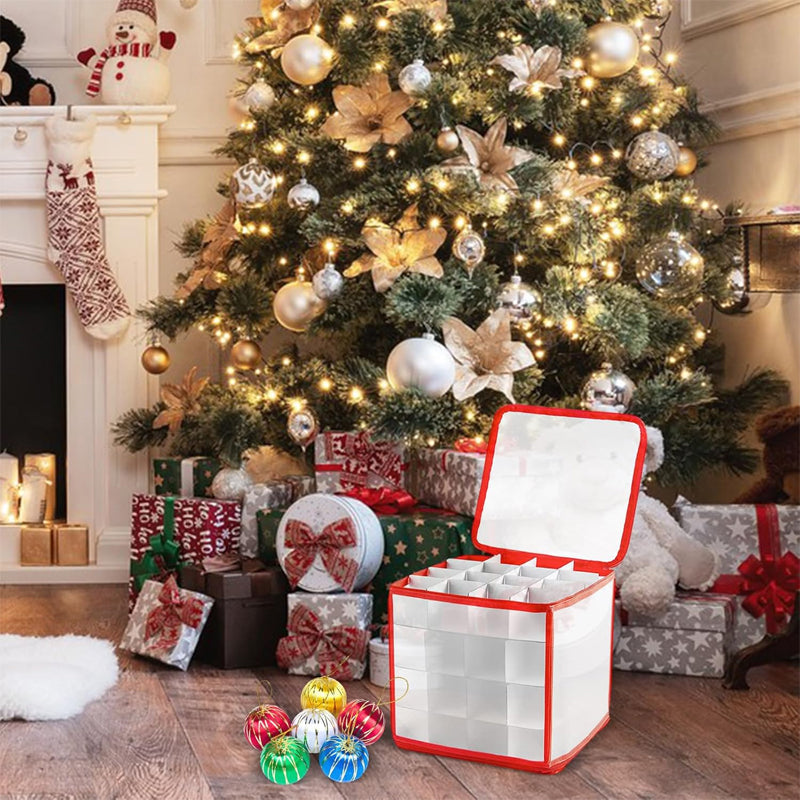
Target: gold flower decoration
[
  {"x": 405, "y": 247},
  {"x": 435, "y": 9},
  {"x": 570, "y": 184},
  {"x": 535, "y": 70},
  {"x": 486, "y": 358},
  {"x": 488, "y": 157},
  {"x": 284, "y": 24},
  {"x": 180, "y": 399},
  {"x": 368, "y": 114}
]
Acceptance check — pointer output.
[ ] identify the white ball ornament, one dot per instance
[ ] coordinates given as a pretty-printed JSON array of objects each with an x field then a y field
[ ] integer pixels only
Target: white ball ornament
[
  {"x": 231, "y": 484},
  {"x": 303, "y": 195},
  {"x": 652, "y": 156},
  {"x": 328, "y": 282},
  {"x": 252, "y": 185},
  {"x": 613, "y": 49},
  {"x": 296, "y": 305},
  {"x": 421, "y": 363},
  {"x": 313, "y": 727},
  {"x": 307, "y": 59},
  {"x": 258, "y": 97},
  {"x": 414, "y": 78}
]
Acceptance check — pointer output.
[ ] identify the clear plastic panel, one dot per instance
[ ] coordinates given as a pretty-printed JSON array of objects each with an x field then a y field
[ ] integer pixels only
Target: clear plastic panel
[
  {"x": 525, "y": 662},
  {"x": 447, "y": 731},
  {"x": 409, "y": 611},
  {"x": 409, "y": 647},
  {"x": 487, "y": 701},
  {"x": 526, "y": 706},
  {"x": 559, "y": 485},
  {"x": 444, "y": 652},
  {"x": 527, "y": 743},
  {"x": 485, "y": 658},
  {"x": 487, "y": 737}
]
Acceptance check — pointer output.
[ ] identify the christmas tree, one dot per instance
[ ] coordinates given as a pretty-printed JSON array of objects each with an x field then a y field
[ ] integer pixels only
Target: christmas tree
[{"x": 456, "y": 204}]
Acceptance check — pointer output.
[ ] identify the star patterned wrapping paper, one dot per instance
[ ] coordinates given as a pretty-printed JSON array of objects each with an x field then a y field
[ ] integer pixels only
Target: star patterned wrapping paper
[
  {"x": 731, "y": 532},
  {"x": 184, "y": 477},
  {"x": 447, "y": 479},
  {"x": 262, "y": 497},
  {"x": 694, "y": 637}
]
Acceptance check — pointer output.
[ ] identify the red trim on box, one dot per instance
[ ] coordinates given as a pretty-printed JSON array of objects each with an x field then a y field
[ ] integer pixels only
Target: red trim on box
[
  {"x": 565, "y": 412},
  {"x": 611, "y": 646},
  {"x": 340, "y": 467},
  {"x": 548, "y": 687}
]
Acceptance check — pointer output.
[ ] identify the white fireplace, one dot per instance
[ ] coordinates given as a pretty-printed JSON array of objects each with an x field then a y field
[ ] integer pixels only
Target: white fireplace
[{"x": 104, "y": 379}]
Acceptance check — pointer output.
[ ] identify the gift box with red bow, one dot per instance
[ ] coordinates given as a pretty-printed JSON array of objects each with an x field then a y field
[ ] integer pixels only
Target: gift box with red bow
[
  {"x": 346, "y": 460},
  {"x": 757, "y": 549},
  {"x": 166, "y": 623},
  {"x": 328, "y": 635}
]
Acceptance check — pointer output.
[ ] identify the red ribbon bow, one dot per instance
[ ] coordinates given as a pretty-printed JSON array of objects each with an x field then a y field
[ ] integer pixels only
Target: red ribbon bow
[
  {"x": 336, "y": 648},
  {"x": 769, "y": 582},
  {"x": 383, "y": 501},
  {"x": 304, "y": 545},
  {"x": 466, "y": 445},
  {"x": 166, "y": 619}
]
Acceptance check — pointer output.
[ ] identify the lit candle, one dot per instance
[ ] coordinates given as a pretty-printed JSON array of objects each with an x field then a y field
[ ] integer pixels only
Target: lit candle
[
  {"x": 46, "y": 464},
  {"x": 9, "y": 480},
  {"x": 9, "y": 468}
]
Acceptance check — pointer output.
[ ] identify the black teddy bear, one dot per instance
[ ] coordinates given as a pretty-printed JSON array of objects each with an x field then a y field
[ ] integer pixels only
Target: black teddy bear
[{"x": 17, "y": 86}]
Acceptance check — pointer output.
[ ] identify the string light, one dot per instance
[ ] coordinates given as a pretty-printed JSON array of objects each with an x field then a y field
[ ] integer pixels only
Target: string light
[
  {"x": 559, "y": 140},
  {"x": 325, "y": 384},
  {"x": 356, "y": 394},
  {"x": 382, "y": 24},
  {"x": 347, "y": 207},
  {"x": 459, "y": 223},
  {"x": 412, "y": 185},
  {"x": 359, "y": 163},
  {"x": 303, "y": 157},
  {"x": 264, "y": 229},
  {"x": 347, "y": 21},
  {"x": 438, "y": 26},
  {"x": 311, "y": 113},
  {"x": 278, "y": 148},
  {"x": 434, "y": 223},
  {"x": 271, "y": 395},
  {"x": 286, "y": 361},
  {"x": 442, "y": 184}
]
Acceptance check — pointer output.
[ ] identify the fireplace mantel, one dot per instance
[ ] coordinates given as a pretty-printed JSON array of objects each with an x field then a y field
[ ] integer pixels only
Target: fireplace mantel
[{"x": 104, "y": 379}]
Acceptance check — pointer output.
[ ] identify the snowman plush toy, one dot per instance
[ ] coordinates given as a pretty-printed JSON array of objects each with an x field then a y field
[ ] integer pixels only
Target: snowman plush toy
[{"x": 132, "y": 69}]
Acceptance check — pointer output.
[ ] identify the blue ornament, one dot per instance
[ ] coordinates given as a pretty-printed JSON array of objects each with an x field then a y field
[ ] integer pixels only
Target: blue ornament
[{"x": 344, "y": 759}]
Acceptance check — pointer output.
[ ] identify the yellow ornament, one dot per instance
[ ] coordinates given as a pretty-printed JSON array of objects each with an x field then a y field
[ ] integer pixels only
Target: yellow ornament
[
  {"x": 155, "y": 359},
  {"x": 687, "y": 162},
  {"x": 246, "y": 354},
  {"x": 324, "y": 692},
  {"x": 447, "y": 140}
]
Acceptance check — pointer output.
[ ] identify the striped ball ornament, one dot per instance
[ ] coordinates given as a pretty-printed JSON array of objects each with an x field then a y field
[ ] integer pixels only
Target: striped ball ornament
[
  {"x": 343, "y": 759},
  {"x": 313, "y": 727},
  {"x": 285, "y": 760},
  {"x": 263, "y": 723},
  {"x": 362, "y": 719}
]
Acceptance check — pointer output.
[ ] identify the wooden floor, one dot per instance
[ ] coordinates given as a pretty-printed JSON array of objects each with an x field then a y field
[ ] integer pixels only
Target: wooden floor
[{"x": 161, "y": 733}]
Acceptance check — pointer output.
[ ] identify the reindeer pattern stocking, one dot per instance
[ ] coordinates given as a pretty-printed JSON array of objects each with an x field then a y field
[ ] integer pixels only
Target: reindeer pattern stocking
[{"x": 75, "y": 234}]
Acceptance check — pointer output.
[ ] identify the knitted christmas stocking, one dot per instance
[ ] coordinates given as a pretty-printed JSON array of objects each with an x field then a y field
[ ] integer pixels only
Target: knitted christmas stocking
[{"x": 75, "y": 237}]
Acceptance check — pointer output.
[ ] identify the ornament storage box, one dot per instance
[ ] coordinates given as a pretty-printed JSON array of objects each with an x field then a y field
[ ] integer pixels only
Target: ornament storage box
[{"x": 508, "y": 656}]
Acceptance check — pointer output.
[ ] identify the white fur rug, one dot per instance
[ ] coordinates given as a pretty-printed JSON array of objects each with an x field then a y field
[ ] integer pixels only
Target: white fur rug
[{"x": 53, "y": 677}]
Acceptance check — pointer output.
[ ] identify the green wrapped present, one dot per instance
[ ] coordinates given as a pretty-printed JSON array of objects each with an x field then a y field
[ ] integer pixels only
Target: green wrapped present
[
  {"x": 268, "y": 521},
  {"x": 184, "y": 477}
]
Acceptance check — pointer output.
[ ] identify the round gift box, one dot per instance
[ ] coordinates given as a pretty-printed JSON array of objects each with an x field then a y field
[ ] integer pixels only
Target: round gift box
[
  {"x": 319, "y": 510},
  {"x": 379, "y": 662}
]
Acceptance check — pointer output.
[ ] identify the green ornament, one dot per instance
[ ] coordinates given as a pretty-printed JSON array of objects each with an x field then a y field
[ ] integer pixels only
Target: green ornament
[{"x": 285, "y": 760}]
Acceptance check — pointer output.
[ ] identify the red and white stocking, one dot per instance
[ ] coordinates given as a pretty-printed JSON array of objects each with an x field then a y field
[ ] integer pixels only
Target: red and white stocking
[{"x": 75, "y": 235}]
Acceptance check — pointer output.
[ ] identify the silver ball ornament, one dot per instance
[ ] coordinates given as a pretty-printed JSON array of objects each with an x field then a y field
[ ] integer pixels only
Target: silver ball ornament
[
  {"x": 252, "y": 185},
  {"x": 670, "y": 267},
  {"x": 299, "y": 5},
  {"x": 613, "y": 49},
  {"x": 303, "y": 195},
  {"x": 414, "y": 78},
  {"x": 302, "y": 426},
  {"x": 307, "y": 59},
  {"x": 296, "y": 305},
  {"x": 421, "y": 363},
  {"x": 607, "y": 389},
  {"x": 652, "y": 156},
  {"x": 313, "y": 727},
  {"x": 469, "y": 247},
  {"x": 231, "y": 483},
  {"x": 259, "y": 96},
  {"x": 328, "y": 282},
  {"x": 520, "y": 299}
]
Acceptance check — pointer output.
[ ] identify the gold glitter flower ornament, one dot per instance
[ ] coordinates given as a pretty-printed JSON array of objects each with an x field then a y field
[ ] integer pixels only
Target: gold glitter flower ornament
[{"x": 535, "y": 70}]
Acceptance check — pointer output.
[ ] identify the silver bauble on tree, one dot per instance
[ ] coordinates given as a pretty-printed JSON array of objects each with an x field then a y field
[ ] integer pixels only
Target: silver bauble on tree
[
  {"x": 415, "y": 78},
  {"x": 607, "y": 389},
  {"x": 328, "y": 282},
  {"x": 258, "y": 97},
  {"x": 659, "y": 9},
  {"x": 421, "y": 363},
  {"x": 520, "y": 299},
  {"x": 302, "y": 426},
  {"x": 670, "y": 267},
  {"x": 613, "y": 49},
  {"x": 469, "y": 248},
  {"x": 652, "y": 156},
  {"x": 296, "y": 304},
  {"x": 252, "y": 185},
  {"x": 303, "y": 195},
  {"x": 306, "y": 59},
  {"x": 231, "y": 483}
]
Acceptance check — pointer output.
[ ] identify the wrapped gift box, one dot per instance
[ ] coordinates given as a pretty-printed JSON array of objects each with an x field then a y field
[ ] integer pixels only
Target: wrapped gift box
[
  {"x": 327, "y": 543},
  {"x": 346, "y": 460},
  {"x": 249, "y": 614},
  {"x": 447, "y": 479},
  {"x": 261, "y": 497},
  {"x": 757, "y": 549},
  {"x": 36, "y": 545},
  {"x": 507, "y": 657},
  {"x": 169, "y": 531},
  {"x": 268, "y": 524},
  {"x": 693, "y": 637},
  {"x": 71, "y": 545},
  {"x": 166, "y": 623},
  {"x": 185, "y": 477},
  {"x": 328, "y": 635}
]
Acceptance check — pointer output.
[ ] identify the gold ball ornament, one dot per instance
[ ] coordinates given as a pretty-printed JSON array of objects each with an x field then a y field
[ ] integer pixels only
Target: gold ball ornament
[
  {"x": 324, "y": 692},
  {"x": 155, "y": 359},
  {"x": 447, "y": 140},
  {"x": 613, "y": 49},
  {"x": 307, "y": 59},
  {"x": 687, "y": 162},
  {"x": 245, "y": 354},
  {"x": 296, "y": 304}
]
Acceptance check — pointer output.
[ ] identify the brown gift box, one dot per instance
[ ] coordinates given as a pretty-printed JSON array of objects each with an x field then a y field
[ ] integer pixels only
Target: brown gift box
[
  {"x": 36, "y": 546},
  {"x": 71, "y": 545},
  {"x": 248, "y": 617}
]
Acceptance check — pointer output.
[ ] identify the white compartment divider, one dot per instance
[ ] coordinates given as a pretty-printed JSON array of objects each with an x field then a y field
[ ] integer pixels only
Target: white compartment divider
[{"x": 442, "y": 572}]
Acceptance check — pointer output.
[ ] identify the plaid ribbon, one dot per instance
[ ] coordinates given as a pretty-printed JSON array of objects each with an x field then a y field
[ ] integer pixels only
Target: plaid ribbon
[
  {"x": 304, "y": 544},
  {"x": 162, "y": 559},
  {"x": 172, "y": 612},
  {"x": 360, "y": 460},
  {"x": 136, "y": 49},
  {"x": 336, "y": 648},
  {"x": 769, "y": 581}
]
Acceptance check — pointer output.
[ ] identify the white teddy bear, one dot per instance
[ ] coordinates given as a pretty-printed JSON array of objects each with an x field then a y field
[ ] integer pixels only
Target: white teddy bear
[{"x": 661, "y": 554}]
